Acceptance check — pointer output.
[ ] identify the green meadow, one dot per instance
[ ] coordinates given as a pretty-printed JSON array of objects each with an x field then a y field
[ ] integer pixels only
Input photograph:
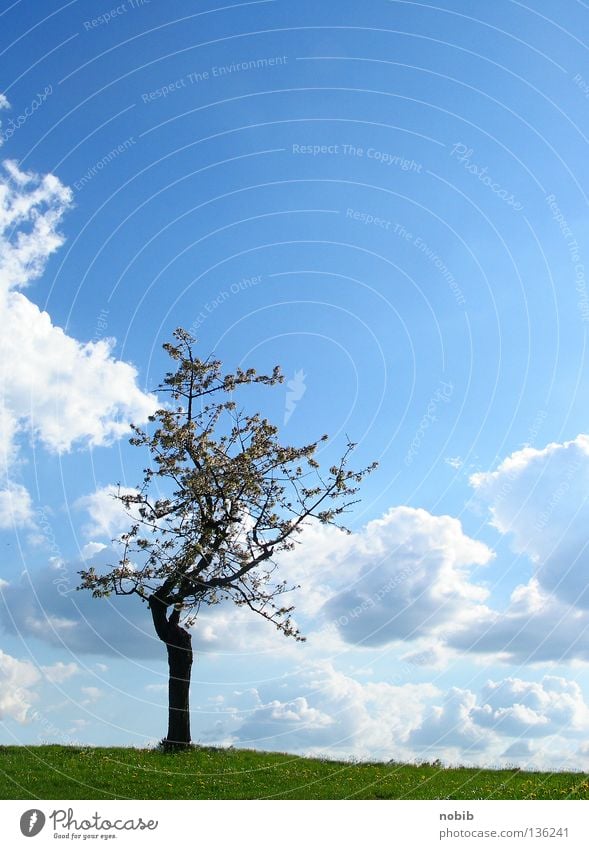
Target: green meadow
[{"x": 65, "y": 772}]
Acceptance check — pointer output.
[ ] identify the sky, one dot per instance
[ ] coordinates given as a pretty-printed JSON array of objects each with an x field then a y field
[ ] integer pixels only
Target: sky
[{"x": 387, "y": 199}]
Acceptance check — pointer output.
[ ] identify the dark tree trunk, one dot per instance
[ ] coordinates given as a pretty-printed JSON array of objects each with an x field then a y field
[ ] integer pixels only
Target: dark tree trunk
[{"x": 179, "y": 645}]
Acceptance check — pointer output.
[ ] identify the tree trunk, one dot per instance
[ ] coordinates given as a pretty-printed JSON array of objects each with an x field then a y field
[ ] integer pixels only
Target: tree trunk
[{"x": 179, "y": 645}]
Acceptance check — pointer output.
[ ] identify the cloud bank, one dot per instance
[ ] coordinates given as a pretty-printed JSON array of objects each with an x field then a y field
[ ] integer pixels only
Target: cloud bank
[{"x": 55, "y": 389}]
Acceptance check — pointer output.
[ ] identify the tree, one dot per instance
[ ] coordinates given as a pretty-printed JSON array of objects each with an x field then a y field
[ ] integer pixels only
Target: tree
[{"x": 220, "y": 499}]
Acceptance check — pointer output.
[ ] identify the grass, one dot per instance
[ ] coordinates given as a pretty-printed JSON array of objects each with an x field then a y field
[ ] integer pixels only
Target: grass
[{"x": 68, "y": 772}]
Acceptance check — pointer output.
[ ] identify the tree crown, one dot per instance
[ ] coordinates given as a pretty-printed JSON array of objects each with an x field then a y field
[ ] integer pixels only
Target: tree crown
[{"x": 233, "y": 496}]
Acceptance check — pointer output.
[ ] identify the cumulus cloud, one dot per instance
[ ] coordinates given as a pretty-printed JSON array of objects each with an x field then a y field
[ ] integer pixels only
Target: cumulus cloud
[
  {"x": 92, "y": 548},
  {"x": 404, "y": 577},
  {"x": 322, "y": 711},
  {"x": 519, "y": 751},
  {"x": 519, "y": 708},
  {"x": 15, "y": 507},
  {"x": 535, "y": 627},
  {"x": 16, "y": 679},
  {"x": 450, "y": 726},
  {"x": 506, "y": 721},
  {"x": 108, "y": 516},
  {"x": 541, "y": 499},
  {"x": 60, "y": 672},
  {"x": 92, "y": 695},
  {"x": 432, "y": 656},
  {"x": 31, "y": 209},
  {"x": 407, "y": 575},
  {"x": 44, "y": 605},
  {"x": 318, "y": 710},
  {"x": 60, "y": 391}
]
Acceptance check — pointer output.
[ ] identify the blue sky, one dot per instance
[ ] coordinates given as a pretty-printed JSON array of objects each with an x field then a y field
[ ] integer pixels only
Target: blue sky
[{"x": 388, "y": 200}]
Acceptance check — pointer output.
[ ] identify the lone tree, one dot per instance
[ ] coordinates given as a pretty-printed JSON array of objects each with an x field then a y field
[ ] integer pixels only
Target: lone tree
[{"x": 220, "y": 499}]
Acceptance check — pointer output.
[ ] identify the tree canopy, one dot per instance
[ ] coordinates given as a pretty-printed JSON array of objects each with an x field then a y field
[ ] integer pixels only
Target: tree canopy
[{"x": 220, "y": 498}]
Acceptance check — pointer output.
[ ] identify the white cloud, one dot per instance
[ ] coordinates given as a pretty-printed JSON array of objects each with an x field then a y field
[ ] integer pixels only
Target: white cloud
[
  {"x": 536, "y": 627},
  {"x": 519, "y": 751},
  {"x": 322, "y": 562},
  {"x": 31, "y": 209},
  {"x": 60, "y": 390},
  {"x": 322, "y": 711},
  {"x": 16, "y": 679},
  {"x": 45, "y": 604},
  {"x": 404, "y": 575},
  {"x": 60, "y": 672},
  {"x": 108, "y": 515},
  {"x": 92, "y": 548},
  {"x": 15, "y": 507},
  {"x": 403, "y": 578},
  {"x": 430, "y": 655},
  {"x": 533, "y": 709},
  {"x": 450, "y": 727},
  {"x": 54, "y": 388},
  {"x": 77, "y": 726},
  {"x": 541, "y": 499},
  {"x": 490, "y": 728},
  {"x": 93, "y": 694}
]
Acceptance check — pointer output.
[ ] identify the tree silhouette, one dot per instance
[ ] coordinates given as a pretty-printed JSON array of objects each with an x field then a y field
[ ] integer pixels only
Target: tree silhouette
[{"x": 230, "y": 497}]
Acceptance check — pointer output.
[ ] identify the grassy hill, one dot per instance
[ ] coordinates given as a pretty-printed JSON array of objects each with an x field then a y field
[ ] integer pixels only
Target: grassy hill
[{"x": 62, "y": 772}]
